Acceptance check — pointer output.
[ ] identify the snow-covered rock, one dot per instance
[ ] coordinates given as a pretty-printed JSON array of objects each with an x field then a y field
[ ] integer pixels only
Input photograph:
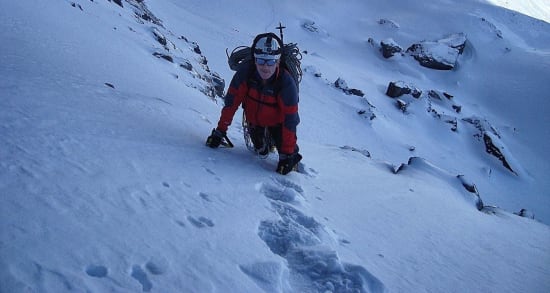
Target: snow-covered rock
[
  {"x": 389, "y": 48},
  {"x": 441, "y": 54}
]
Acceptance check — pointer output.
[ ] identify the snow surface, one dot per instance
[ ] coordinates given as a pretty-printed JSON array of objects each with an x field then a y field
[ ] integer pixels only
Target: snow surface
[
  {"x": 535, "y": 8},
  {"x": 106, "y": 185}
]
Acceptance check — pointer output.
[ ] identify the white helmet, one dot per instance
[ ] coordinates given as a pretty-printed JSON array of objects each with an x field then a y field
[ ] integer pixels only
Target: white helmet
[{"x": 267, "y": 47}]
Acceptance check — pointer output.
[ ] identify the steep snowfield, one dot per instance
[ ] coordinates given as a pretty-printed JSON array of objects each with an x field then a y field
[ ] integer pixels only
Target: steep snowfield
[
  {"x": 535, "y": 8},
  {"x": 106, "y": 185}
]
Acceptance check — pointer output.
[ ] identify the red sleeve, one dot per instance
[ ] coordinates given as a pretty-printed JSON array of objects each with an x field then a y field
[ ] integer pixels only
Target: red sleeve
[{"x": 233, "y": 99}]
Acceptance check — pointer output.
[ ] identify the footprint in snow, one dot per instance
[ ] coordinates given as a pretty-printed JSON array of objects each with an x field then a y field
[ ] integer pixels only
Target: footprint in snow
[
  {"x": 209, "y": 171},
  {"x": 201, "y": 222},
  {"x": 156, "y": 266},
  {"x": 205, "y": 196},
  {"x": 97, "y": 271},
  {"x": 141, "y": 276},
  {"x": 282, "y": 190},
  {"x": 180, "y": 223},
  {"x": 306, "y": 245}
]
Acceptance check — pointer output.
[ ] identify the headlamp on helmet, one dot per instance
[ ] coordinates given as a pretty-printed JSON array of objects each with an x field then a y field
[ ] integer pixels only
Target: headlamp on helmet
[{"x": 267, "y": 48}]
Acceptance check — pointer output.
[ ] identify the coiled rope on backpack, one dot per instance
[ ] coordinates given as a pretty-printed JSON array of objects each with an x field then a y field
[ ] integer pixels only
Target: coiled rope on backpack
[
  {"x": 292, "y": 59},
  {"x": 238, "y": 56}
]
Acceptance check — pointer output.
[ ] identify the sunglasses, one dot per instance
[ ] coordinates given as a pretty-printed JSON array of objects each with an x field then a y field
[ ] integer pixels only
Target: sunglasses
[{"x": 268, "y": 62}]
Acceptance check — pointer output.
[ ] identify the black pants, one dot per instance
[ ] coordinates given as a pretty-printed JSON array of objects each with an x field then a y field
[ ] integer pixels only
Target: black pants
[{"x": 270, "y": 135}]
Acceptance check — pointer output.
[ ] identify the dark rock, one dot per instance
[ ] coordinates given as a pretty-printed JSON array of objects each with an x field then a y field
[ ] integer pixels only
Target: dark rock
[
  {"x": 437, "y": 95},
  {"x": 203, "y": 60},
  {"x": 471, "y": 187},
  {"x": 142, "y": 13},
  {"x": 164, "y": 56},
  {"x": 402, "y": 105},
  {"x": 526, "y": 214},
  {"x": 196, "y": 48},
  {"x": 186, "y": 65},
  {"x": 453, "y": 122},
  {"x": 160, "y": 37},
  {"x": 492, "y": 149},
  {"x": 423, "y": 54},
  {"x": 394, "y": 90},
  {"x": 145, "y": 17},
  {"x": 371, "y": 42},
  {"x": 442, "y": 98},
  {"x": 75, "y": 5},
  {"x": 219, "y": 84},
  {"x": 119, "y": 2},
  {"x": 356, "y": 92},
  {"x": 482, "y": 125},
  {"x": 341, "y": 84},
  {"x": 446, "y": 118},
  {"x": 442, "y": 54},
  {"x": 389, "y": 48},
  {"x": 368, "y": 113},
  {"x": 399, "y": 88}
]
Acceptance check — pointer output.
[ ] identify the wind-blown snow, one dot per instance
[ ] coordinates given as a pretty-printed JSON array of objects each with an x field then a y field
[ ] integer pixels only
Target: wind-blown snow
[
  {"x": 106, "y": 185},
  {"x": 534, "y": 8}
]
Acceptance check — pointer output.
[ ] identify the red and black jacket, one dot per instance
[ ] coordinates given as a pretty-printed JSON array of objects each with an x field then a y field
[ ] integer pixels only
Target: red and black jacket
[{"x": 271, "y": 104}]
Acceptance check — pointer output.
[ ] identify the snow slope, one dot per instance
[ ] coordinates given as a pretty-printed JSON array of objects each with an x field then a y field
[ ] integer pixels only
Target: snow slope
[
  {"x": 106, "y": 185},
  {"x": 535, "y": 8}
]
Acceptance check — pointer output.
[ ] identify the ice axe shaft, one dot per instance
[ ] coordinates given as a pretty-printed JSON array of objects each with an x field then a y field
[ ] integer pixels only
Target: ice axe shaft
[{"x": 280, "y": 28}]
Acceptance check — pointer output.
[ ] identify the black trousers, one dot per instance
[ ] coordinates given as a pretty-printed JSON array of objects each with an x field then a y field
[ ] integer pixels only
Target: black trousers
[{"x": 270, "y": 135}]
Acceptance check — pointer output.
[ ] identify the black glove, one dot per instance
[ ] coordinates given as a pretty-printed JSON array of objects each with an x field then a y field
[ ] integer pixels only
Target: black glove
[
  {"x": 215, "y": 138},
  {"x": 288, "y": 163}
]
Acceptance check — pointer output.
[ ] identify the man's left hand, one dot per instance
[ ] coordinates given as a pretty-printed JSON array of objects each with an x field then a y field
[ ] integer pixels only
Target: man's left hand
[{"x": 288, "y": 163}]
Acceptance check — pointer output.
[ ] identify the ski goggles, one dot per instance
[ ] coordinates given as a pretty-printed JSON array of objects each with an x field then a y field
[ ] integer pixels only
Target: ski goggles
[{"x": 268, "y": 62}]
